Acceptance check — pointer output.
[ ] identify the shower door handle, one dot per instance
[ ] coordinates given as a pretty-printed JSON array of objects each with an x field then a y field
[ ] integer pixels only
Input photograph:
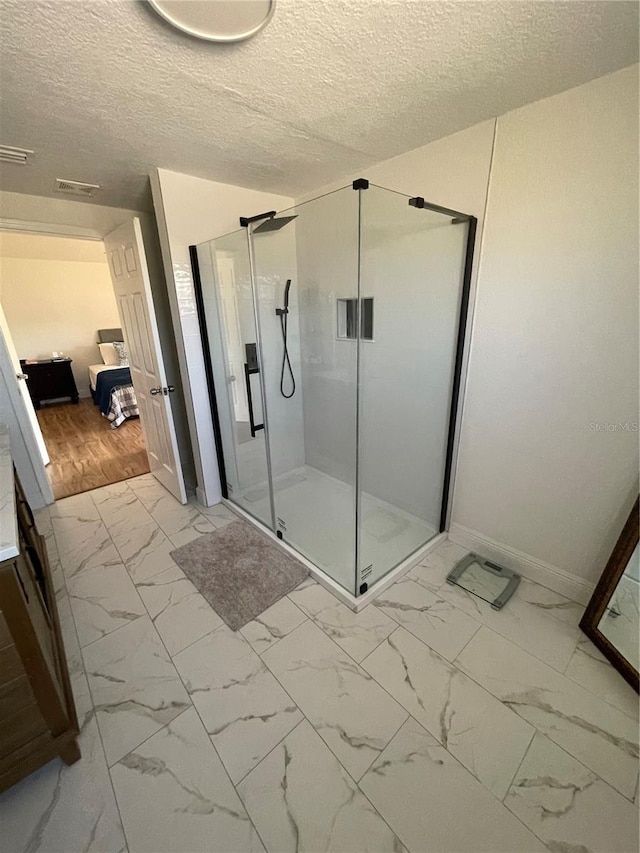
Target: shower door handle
[{"x": 248, "y": 373}]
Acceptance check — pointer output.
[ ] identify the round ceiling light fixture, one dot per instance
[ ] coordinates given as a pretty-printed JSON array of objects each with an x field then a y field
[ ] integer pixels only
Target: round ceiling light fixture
[{"x": 216, "y": 20}]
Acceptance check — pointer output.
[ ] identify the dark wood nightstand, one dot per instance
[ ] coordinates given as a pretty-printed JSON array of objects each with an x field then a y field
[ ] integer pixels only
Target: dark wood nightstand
[{"x": 50, "y": 379}]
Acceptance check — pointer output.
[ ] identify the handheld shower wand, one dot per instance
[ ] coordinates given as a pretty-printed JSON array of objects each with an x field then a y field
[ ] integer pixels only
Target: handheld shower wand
[{"x": 286, "y": 363}]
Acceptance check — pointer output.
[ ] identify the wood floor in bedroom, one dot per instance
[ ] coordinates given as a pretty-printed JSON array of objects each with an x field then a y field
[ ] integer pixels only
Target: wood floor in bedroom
[{"x": 85, "y": 452}]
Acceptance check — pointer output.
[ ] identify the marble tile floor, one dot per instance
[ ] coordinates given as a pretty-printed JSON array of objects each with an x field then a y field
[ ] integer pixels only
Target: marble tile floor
[{"x": 427, "y": 723}]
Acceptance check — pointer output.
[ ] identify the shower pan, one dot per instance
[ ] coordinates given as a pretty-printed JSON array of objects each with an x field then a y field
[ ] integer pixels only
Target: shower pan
[{"x": 333, "y": 336}]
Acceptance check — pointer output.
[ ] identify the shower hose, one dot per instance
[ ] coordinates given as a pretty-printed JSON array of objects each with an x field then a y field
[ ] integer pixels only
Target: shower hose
[{"x": 286, "y": 364}]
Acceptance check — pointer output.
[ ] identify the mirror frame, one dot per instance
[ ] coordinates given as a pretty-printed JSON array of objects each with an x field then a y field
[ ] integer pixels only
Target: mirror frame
[{"x": 605, "y": 588}]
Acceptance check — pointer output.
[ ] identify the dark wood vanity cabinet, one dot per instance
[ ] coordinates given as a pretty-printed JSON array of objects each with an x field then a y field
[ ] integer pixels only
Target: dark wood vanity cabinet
[{"x": 37, "y": 714}]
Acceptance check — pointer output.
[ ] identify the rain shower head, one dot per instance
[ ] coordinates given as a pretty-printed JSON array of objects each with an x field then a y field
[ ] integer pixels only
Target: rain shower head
[{"x": 273, "y": 224}]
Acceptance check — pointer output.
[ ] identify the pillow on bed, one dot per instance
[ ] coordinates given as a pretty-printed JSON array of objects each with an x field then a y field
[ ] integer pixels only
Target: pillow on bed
[
  {"x": 109, "y": 354},
  {"x": 121, "y": 349}
]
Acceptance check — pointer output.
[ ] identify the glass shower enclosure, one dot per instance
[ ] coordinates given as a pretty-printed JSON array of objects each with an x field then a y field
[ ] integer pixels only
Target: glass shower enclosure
[{"x": 333, "y": 337}]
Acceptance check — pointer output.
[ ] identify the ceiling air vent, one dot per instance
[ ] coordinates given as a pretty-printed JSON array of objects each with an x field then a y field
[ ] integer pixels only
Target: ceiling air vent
[
  {"x": 76, "y": 188},
  {"x": 19, "y": 156}
]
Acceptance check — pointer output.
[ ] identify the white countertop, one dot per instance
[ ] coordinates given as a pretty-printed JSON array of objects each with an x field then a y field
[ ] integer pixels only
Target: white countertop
[{"x": 8, "y": 522}]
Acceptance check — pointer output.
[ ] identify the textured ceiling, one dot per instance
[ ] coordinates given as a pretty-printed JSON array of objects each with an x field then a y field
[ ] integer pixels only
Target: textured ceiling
[{"x": 105, "y": 91}]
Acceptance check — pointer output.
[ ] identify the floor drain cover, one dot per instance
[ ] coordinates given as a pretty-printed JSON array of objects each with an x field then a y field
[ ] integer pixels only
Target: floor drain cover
[{"x": 488, "y": 581}]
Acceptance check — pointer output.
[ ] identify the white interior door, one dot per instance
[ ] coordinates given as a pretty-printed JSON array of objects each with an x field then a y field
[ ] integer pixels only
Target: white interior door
[
  {"x": 15, "y": 409},
  {"x": 29, "y": 411},
  {"x": 130, "y": 277}
]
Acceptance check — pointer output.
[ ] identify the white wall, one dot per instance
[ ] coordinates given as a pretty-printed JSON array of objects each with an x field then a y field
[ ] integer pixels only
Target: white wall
[
  {"x": 555, "y": 343},
  {"x": 27, "y": 213},
  {"x": 56, "y": 293},
  {"x": 189, "y": 211}
]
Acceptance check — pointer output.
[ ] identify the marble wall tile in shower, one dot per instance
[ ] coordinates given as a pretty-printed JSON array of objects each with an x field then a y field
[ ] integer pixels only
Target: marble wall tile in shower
[
  {"x": 428, "y": 616},
  {"x": 564, "y": 804},
  {"x": 174, "y": 795},
  {"x": 538, "y": 620},
  {"x": 484, "y": 735},
  {"x": 598, "y": 735},
  {"x": 60, "y": 808},
  {"x": 589, "y": 668},
  {"x": 350, "y": 711},
  {"x": 357, "y": 633},
  {"x": 135, "y": 687},
  {"x": 145, "y": 551},
  {"x": 434, "y": 804},
  {"x": 178, "y": 611},
  {"x": 301, "y": 798},
  {"x": 86, "y": 546},
  {"x": 243, "y": 707},
  {"x": 272, "y": 625},
  {"x": 103, "y": 599}
]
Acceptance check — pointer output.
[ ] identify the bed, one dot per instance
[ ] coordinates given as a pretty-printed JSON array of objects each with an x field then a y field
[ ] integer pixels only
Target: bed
[{"x": 110, "y": 384}]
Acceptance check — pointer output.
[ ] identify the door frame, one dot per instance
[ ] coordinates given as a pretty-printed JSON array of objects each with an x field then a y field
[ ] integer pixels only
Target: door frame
[{"x": 208, "y": 367}]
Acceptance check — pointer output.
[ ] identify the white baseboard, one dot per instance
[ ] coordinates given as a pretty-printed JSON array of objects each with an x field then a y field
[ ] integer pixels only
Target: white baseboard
[{"x": 559, "y": 580}]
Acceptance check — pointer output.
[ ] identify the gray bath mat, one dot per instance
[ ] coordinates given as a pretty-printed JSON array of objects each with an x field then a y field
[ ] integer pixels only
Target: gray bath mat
[{"x": 239, "y": 571}]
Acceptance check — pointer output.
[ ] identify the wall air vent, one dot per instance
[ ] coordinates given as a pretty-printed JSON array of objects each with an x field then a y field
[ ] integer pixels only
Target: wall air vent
[
  {"x": 76, "y": 188},
  {"x": 19, "y": 156}
]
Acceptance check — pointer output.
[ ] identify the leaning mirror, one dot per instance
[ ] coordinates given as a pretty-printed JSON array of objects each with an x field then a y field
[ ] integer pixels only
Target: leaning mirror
[{"x": 611, "y": 618}]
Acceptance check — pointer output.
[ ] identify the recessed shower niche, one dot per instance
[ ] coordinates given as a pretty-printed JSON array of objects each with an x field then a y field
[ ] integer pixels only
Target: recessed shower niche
[{"x": 337, "y": 434}]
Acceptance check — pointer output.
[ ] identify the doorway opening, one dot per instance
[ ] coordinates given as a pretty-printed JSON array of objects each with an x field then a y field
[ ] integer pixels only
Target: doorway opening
[{"x": 63, "y": 329}]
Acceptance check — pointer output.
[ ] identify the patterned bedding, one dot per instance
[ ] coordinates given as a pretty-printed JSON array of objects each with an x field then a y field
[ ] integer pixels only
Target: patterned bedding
[
  {"x": 123, "y": 405},
  {"x": 115, "y": 396}
]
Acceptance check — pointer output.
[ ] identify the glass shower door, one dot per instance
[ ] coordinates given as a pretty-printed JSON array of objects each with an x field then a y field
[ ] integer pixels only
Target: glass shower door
[
  {"x": 232, "y": 336},
  {"x": 310, "y": 379},
  {"x": 333, "y": 337},
  {"x": 412, "y": 263}
]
